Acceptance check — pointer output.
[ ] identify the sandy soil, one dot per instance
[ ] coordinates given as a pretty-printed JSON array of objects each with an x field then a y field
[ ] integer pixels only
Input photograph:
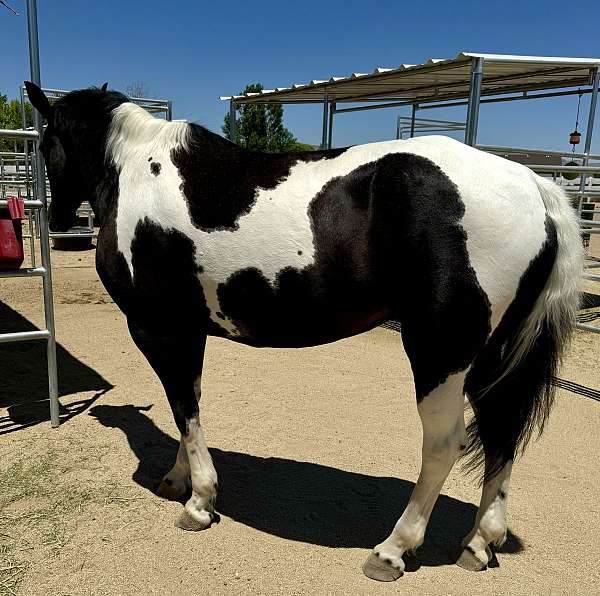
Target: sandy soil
[{"x": 317, "y": 451}]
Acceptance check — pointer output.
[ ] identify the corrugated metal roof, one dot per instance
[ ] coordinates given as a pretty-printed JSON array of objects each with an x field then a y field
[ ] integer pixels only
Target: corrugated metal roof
[{"x": 436, "y": 79}]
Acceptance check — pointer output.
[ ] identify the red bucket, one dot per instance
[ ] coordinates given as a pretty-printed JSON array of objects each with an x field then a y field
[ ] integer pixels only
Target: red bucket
[{"x": 11, "y": 234}]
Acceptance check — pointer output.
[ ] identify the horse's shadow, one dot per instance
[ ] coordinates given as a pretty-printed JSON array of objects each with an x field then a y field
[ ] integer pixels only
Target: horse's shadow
[{"x": 301, "y": 500}]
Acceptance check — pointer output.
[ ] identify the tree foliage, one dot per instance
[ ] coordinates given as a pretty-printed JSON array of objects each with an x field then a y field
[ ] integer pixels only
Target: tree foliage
[
  {"x": 10, "y": 117},
  {"x": 260, "y": 127}
]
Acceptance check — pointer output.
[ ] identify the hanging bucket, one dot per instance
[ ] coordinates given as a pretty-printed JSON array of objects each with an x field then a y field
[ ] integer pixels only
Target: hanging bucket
[
  {"x": 11, "y": 234},
  {"x": 571, "y": 175}
]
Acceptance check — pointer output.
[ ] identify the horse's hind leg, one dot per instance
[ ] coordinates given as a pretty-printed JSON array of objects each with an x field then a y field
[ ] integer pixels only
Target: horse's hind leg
[
  {"x": 442, "y": 416},
  {"x": 490, "y": 524}
]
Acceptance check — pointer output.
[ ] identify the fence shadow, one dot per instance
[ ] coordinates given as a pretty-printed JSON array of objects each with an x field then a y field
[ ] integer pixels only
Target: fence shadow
[
  {"x": 301, "y": 501},
  {"x": 24, "y": 379}
]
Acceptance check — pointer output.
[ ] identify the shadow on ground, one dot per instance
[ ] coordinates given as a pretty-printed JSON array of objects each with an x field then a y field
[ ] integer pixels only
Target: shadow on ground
[
  {"x": 301, "y": 501},
  {"x": 24, "y": 378}
]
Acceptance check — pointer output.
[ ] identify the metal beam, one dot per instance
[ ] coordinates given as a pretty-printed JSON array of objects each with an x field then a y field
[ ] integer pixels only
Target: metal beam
[
  {"x": 452, "y": 104},
  {"x": 325, "y": 120},
  {"x": 500, "y": 149},
  {"x": 40, "y": 195},
  {"x": 6, "y": 338},
  {"x": 31, "y": 135},
  {"x": 330, "y": 131},
  {"x": 413, "y": 117},
  {"x": 590, "y": 126},
  {"x": 232, "y": 122},
  {"x": 474, "y": 99}
]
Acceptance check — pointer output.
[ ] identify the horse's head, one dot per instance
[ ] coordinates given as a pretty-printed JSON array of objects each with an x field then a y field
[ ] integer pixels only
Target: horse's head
[{"x": 73, "y": 147}]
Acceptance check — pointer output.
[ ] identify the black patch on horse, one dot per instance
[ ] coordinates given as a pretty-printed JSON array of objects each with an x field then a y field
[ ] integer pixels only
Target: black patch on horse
[
  {"x": 155, "y": 168},
  {"x": 388, "y": 242},
  {"x": 421, "y": 258},
  {"x": 335, "y": 297},
  {"x": 217, "y": 196}
]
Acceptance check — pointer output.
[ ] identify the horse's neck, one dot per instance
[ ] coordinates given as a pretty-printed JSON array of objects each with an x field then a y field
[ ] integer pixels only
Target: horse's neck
[{"x": 128, "y": 130}]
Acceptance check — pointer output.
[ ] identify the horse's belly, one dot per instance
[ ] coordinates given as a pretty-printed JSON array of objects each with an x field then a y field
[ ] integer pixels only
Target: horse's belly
[{"x": 298, "y": 310}]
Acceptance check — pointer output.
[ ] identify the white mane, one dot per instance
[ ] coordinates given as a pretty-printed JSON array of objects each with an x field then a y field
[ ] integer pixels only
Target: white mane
[{"x": 133, "y": 130}]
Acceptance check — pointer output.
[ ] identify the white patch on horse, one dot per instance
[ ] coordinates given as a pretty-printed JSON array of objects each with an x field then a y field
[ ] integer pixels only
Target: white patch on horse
[{"x": 277, "y": 232}]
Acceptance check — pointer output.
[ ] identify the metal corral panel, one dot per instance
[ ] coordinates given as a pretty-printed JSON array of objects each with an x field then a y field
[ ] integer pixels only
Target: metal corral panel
[{"x": 436, "y": 79}]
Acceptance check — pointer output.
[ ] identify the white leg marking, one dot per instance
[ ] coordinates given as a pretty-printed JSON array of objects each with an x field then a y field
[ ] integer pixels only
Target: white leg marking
[
  {"x": 199, "y": 509},
  {"x": 490, "y": 523},
  {"x": 176, "y": 482},
  {"x": 442, "y": 416}
]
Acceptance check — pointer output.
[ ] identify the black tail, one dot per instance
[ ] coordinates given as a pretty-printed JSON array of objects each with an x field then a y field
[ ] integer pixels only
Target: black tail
[{"x": 510, "y": 403}]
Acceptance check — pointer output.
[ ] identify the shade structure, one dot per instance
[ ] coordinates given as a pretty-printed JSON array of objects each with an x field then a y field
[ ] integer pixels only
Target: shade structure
[{"x": 436, "y": 79}]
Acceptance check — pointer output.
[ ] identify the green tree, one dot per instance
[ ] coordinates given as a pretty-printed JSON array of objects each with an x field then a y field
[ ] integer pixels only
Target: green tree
[
  {"x": 260, "y": 127},
  {"x": 10, "y": 117}
]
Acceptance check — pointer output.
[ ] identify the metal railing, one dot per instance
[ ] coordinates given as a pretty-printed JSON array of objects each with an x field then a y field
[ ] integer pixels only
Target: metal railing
[
  {"x": 588, "y": 225},
  {"x": 39, "y": 204}
]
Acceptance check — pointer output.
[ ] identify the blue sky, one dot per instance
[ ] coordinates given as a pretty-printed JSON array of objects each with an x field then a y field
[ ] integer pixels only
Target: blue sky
[{"x": 192, "y": 52}]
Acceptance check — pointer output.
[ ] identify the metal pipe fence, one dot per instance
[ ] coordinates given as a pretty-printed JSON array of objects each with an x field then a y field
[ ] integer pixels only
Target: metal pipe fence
[
  {"x": 588, "y": 226},
  {"x": 34, "y": 185}
]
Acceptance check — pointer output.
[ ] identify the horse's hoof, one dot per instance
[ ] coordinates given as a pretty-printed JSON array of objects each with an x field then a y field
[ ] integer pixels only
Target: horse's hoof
[
  {"x": 468, "y": 560},
  {"x": 381, "y": 570},
  {"x": 172, "y": 491},
  {"x": 200, "y": 521}
]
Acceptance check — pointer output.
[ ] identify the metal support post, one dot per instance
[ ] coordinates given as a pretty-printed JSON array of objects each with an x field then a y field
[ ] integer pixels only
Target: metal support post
[
  {"x": 232, "y": 123},
  {"x": 330, "y": 131},
  {"x": 169, "y": 114},
  {"x": 413, "y": 117},
  {"x": 325, "y": 120},
  {"x": 40, "y": 195},
  {"x": 590, "y": 128},
  {"x": 32, "y": 215},
  {"x": 473, "y": 105}
]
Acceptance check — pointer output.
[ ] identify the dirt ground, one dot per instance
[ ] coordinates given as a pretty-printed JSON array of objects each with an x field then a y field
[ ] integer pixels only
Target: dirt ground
[{"x": 317, "y": 451}]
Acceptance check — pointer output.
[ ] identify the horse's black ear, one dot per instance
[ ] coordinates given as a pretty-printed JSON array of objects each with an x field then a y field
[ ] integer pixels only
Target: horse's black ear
[
  {"x": 104, "y": 88},
  {"x": 38, "y": 99}
]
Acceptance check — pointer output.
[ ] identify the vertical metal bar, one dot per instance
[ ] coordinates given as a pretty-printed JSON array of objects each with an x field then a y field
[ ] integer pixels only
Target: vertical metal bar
[
  {"x": 397, "y": 127},
  {"x": 325, "y": 120},
  {"x": 413, "y": 118},
  {"x": 40, "y": 191},
  {"x": 330, "y": 131},
  {"x": 473, "y": 105},
  {"x": 590, "y": 127},
  {"x": 232, "y": 122},
  {"x": 25, "y": 141},
  {"x": 31, "y": 219},
  {"x": 23, "y": 112},
  {"x": 169, "y": 115}
]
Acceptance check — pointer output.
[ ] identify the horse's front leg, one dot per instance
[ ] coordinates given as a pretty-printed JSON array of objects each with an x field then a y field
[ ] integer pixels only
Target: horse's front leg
[
  {"x": 178, "y": 364},
  {"x": 177, "y": 480}
]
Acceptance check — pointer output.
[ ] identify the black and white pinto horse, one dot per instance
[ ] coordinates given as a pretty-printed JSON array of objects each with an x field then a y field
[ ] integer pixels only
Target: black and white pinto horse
[{"x": 477, "y": 257}]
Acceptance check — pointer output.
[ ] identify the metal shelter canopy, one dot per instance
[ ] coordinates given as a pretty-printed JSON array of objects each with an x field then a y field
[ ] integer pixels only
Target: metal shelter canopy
[
  {"x": 469, "y": 76},
  {"x": 436, "y": 79}
]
